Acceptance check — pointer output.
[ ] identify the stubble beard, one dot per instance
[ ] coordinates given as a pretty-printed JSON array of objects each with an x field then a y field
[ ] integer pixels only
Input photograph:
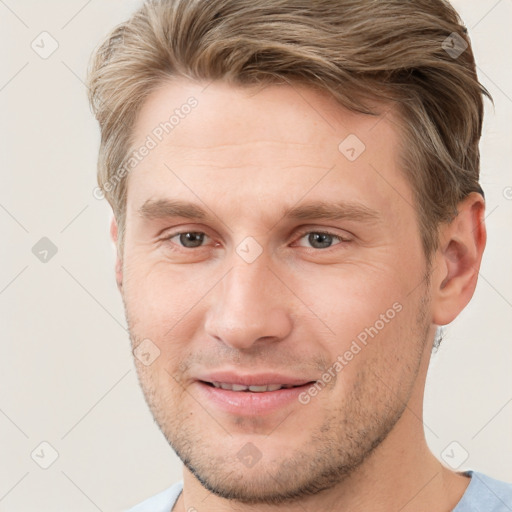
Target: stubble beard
[{"x": 336, "y": 449}]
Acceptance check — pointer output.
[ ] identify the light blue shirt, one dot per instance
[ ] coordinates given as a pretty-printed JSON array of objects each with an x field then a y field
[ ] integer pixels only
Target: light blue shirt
[{"x": 483, "y": 494}]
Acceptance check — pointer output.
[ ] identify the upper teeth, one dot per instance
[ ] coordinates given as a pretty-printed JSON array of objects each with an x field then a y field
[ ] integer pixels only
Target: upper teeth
[{"x": 256, "y": 389}]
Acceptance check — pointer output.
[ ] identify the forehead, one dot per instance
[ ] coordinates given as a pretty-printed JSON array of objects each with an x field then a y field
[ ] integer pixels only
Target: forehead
[
  {"x": 228, "y": 114},
  {"x": 257, "y": 142}
]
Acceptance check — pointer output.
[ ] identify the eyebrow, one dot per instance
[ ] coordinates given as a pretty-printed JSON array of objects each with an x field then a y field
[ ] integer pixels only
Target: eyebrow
[{"x": 165, "y": 208}]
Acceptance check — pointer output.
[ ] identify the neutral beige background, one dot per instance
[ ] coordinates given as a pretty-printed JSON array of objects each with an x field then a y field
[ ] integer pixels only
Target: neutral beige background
[{"x": 66, "y": 374}]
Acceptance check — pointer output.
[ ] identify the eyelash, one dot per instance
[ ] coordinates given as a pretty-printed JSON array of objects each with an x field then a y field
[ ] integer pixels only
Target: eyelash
[{"x": 301, "y": 235}]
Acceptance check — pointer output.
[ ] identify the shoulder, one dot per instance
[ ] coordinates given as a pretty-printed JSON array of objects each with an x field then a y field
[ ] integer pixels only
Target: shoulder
[
  {"x": 485, "y": 493},
  {"x": 161, "y": 502}
]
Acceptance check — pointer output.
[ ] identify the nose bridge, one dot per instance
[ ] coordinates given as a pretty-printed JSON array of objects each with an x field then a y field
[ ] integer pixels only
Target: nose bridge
[{"x": 249, "y": 305}]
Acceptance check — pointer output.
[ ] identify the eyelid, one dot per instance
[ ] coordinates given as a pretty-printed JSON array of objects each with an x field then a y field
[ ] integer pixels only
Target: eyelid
[
  {"x": 184, "y": 228},
  {"x": 345, "y": 237}
]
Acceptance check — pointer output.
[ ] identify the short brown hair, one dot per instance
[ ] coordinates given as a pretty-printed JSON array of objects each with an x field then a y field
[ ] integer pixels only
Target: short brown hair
[{"x": 414, "y": 54}]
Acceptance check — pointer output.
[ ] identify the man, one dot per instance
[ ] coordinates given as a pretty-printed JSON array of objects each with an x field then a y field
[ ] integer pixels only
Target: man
[{"x": 297, "y": 210}]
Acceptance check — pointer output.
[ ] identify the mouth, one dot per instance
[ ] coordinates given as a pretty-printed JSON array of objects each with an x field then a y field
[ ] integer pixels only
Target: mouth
[
  {"x": 254, "y": 388},
  {"x": 251, "y": 395}
]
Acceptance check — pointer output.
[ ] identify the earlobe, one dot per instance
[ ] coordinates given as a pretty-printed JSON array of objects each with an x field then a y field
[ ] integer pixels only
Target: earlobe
[
  {"x": 119, "y": 263},
  {"x": 458, "y": 259}
]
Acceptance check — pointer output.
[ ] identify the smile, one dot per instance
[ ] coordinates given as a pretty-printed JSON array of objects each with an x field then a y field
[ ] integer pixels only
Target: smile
[{"x": 254, "y": 389}]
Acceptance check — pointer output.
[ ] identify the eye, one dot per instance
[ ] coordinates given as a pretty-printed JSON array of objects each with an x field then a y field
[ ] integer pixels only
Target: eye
[
  {"x": 188, "y": 239},
  {"x": 320, "y": 239}
]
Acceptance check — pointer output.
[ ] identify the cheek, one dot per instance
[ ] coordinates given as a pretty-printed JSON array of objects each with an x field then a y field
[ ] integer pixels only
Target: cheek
[
  {"x": 165, "y": 306},
  {"x": 372, "y": 319},
  {"x": 159, "y": 295},
  {"x": 352, "y": 298}
]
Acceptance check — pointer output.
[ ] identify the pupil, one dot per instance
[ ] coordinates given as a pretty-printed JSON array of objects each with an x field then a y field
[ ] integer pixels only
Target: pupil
[
  {"x": 191, "y": 239},
  {"x": 320, "y": 240}
]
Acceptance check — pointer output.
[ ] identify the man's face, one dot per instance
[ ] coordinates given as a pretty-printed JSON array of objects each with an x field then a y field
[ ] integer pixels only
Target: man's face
[{"x": 236, "y": 273}]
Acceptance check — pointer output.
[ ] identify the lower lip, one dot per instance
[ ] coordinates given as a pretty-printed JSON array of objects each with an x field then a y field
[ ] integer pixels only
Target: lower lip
[{"x": 248, "y": 403}]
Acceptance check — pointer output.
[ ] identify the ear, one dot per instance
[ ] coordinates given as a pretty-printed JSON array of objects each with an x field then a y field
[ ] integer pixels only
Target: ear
[
  {"x": 457, "y": 260},
  {"x": 119, "y": 262}
]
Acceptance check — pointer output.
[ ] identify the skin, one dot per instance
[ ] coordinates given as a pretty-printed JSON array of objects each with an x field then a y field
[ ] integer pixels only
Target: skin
[{"x": 246, "y": 156}]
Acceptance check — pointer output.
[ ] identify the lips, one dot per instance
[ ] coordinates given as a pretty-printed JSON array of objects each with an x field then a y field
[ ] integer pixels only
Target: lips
[
  {"x": 254, "y": 389},
  {"x": 250, "y": 394},
  {"x": 257, "y": 383}
]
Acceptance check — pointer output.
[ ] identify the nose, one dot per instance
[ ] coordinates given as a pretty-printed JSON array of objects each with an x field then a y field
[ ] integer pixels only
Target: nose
[{"x": 250, "y": 305}]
